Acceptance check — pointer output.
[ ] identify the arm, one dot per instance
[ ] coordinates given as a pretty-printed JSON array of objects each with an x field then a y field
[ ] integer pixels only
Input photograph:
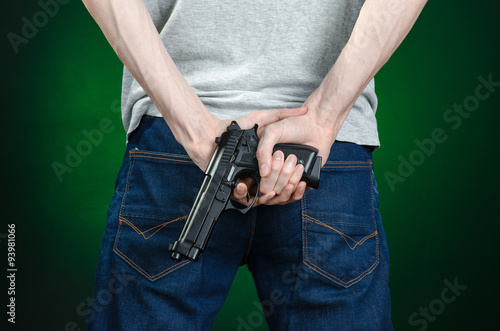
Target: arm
[
  {"x": 381, "y": 27},
  {"x": 129, "y": 29},
  {"x": 379, "y": 30}
]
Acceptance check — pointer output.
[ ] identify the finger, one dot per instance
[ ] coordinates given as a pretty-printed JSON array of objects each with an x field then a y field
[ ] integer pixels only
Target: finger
[
  {"x": 288, "y": 195},
  {"x": 268, "y": 183},
  {"x": 270, "y": 137},
  {"x": 282, "y": 198},
  {"x": 296, "y": 176},
  {"x": 299, "y": 192},
  {"x": 286, "y": 173},
  {"x": 244, "y": 191},
  {"x": 240, "y": 192},
  {"x": 263, "y": 199},
  {"x": 266, "y": 117},
  {"x": 271, "y": 116}
]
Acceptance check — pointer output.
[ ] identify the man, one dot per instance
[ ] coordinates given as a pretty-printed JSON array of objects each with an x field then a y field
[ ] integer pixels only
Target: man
[{"x": 303, "y": 71}]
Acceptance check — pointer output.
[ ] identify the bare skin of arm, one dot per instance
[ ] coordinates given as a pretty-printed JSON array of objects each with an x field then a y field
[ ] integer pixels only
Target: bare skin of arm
[
  {"x": 380, "y": 28},
  {"x": 131, "y": 33}
]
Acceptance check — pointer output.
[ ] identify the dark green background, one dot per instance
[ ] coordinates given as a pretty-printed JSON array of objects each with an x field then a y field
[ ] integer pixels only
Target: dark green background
[{"x": 441, "y": 222}]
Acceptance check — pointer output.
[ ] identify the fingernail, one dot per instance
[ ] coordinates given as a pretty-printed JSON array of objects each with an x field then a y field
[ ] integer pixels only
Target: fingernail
[
  {"x": 263, "y": 169},
  {"x": 239, "y": 189},
  {"x": 302, "y": 190},
  {"x": 277, "y": 156}
]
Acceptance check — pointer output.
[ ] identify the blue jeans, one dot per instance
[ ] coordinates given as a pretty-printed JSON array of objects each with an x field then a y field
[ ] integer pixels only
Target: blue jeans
[{"x": 318, "y": 264}]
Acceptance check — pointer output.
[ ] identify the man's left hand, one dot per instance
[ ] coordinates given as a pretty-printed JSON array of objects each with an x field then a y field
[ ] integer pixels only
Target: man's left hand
[{"x": 280, "y": 177}]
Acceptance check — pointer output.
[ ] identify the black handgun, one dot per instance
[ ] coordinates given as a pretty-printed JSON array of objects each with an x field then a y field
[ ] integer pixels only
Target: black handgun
[{"x": 234, "y": 158}]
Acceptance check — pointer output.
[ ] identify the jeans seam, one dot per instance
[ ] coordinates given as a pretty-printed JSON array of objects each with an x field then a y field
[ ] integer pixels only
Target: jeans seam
[
  {"x": 374, "y": 217},
  {"x": 166, "y": 154},
  {"x": 162, "y": 156},
  {"x": 129, "y": 174},
  {"x": 351, "y": 164},
  {"x": 250, "y": 235},
  {"x": 142, "y": 216}
]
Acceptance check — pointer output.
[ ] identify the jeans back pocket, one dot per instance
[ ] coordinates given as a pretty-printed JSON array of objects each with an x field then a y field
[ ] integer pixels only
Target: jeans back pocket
[
  {"x": 340, "y": 237},
  {"x": 159, "y": 192}
]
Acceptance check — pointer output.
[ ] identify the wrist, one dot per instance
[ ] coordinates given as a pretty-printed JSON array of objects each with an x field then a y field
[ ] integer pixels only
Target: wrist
[
  {"x": 325, "y": 110},
  {"x": 197, "y": 129}
]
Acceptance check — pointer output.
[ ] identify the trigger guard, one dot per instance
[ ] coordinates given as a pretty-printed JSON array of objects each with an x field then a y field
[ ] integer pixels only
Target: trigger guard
[{"x": 230, "y": 204}]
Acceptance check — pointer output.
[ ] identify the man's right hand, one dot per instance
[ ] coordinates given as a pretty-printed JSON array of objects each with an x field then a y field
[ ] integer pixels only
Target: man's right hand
[{"x": 200, "y": 147}]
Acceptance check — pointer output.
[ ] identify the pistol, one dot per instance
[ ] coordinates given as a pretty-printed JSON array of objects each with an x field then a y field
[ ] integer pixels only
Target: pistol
[{"x": 233, "y": 159}]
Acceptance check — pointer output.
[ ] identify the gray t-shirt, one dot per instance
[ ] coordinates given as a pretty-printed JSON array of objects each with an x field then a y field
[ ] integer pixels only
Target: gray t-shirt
[{"x": 246, "y": 55}]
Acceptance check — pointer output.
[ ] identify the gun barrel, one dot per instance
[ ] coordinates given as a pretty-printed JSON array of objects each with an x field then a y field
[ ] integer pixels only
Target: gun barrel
[{"x": 210, "y": 201}]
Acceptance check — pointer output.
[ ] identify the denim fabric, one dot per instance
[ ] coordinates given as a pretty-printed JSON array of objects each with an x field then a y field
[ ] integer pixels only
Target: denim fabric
[{"x": 318, "y": 264}]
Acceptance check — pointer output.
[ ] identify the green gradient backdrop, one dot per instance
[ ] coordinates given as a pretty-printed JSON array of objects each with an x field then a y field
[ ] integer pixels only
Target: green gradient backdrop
[{"x": 441, "y": 222}]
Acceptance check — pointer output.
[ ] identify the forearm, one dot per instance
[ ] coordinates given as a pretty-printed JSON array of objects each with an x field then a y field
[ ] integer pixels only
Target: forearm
[
  {"x": 130, "y": 30},
  {"x": 379, "y": 30}
]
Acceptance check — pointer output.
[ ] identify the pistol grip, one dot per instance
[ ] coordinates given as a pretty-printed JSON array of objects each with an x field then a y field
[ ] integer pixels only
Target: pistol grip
[{"x": 307, "y": 156}]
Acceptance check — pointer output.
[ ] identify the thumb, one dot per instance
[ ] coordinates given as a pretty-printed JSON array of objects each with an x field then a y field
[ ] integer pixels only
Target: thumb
[
  {"x": 266, "y": 117},
  {"x": 271, "y": 116}
]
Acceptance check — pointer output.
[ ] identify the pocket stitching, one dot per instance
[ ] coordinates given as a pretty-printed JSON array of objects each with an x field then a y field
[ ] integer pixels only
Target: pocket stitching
[
  {"x": 335, "y": 279},
  {"x": 305, "y": 250},
  {"x": 136, "y": 266},
  {"x": 340, "y": 233},
  {"x": 161, "y": 226},
  {"x": 117, "y": 237},
  {"x": 144, "y": 273}
]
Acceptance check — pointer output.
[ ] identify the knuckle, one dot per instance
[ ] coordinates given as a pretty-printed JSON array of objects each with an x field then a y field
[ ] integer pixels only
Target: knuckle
[
  {"x": 261, "y": 152},
  {"x": 276, "y": 165},
  {"x": 284, "y": 196},
  {"x": 296, "y": 195},
  {"x": 294, "y": 180},
  {"x": 287, "y": 171}
]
